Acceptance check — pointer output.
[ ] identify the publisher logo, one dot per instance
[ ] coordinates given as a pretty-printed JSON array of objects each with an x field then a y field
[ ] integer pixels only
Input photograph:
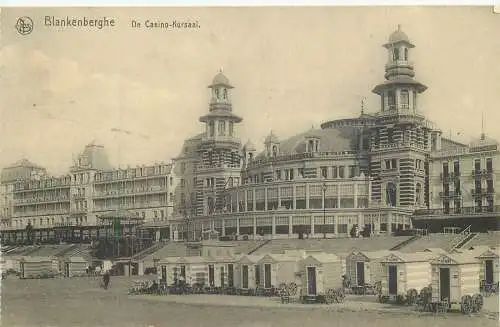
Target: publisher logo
[{"x": 24, "y": 25}]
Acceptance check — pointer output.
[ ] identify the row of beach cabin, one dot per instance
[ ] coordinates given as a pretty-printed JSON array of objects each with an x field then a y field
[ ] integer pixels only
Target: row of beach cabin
[
  {"x": 41, "y": 266},
  {"x": 452, "y": 274}
]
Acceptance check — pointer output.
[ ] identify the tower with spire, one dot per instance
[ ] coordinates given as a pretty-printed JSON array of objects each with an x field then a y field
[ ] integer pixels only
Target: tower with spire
[
  {"x": 219, "y": 163},
  {"x": 402, "y": 137}
]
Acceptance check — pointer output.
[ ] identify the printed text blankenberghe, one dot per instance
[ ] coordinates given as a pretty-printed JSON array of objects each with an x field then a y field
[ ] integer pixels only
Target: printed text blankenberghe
[{"x": 99, "y": 23}]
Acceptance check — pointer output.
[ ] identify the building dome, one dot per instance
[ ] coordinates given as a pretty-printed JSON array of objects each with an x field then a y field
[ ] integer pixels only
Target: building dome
[
  {"x": 398, "y": 36},
  {"x": 220, "y": 79},
  {"x": 249, "y": 146},
  {"x": 483, "y": 141},
  {"x": 330, "y": 140},
  {"x": 271, "y": 138}
]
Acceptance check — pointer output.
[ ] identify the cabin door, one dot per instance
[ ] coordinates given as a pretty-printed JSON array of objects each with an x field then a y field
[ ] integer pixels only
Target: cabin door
[
  {"x": 244, "y": 277},
  {"x": 360, "y": 273},
  {"x": 267, "y": 276},
  {"x": 66, "y": 269},
  {"x": 222, "y": 277},
  {"x": 311, "y": 280},
  {"x": 488, "y": 271},
  {"x": 230, "y": 275},
  {"x": 393, "y": 280},
  {"x": 444, "y": 283},
  {"x": 164, "y": 274},
  {"x": 21, "y": 269}
]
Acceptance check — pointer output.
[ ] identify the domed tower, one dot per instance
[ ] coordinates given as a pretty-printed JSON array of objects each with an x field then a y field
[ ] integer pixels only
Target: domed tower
[
  {"x": 219, "y": 150},
  {"x": 402, "y": 137},
  {"x": 272, "y": 144},
  {"x": 248, "y": 152}
]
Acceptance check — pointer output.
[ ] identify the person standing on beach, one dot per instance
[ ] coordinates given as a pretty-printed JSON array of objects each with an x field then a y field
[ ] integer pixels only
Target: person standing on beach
[{"x": 105, "y": 279}]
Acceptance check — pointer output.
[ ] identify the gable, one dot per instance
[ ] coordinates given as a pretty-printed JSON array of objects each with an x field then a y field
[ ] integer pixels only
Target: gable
[
  {"x": 489, "y": 254},
  {"x": 392, "y": 258},
  {"x": 358, "y": 256},
  {"x": 443, "y": 260}
]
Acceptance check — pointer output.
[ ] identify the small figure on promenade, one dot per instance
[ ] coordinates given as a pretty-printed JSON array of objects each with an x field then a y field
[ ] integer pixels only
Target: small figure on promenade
[{"x": 105, "y": 279}]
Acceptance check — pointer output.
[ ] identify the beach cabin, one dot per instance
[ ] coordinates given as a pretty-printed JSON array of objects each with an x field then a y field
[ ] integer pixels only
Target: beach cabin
[
  {"x": 250, "y": 272},
  {"x": 455, "y": 278},
  {"x": 365, "y": 267},
  {"x": 35, "y": 267},
  {"x": 223, "y": 271},
  {"x": 75, "y": 266},
  {"x": 195, "y": 269},
  {"x": 489, "y": 261},
  {"x": 320, "y": 272},
  {"x": 405, "y": 274},
  {"x": 170, "y": 271},
  {"x": 276, "y": 269}
]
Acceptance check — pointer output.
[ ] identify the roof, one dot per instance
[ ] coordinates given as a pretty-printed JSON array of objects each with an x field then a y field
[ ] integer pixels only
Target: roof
[
  {"x": 278, "y": 257},
  {"x": 220, "y": 113},
  {"x": 322, "y": 257},
  {"x": 400, "y": 81},
  {"x": 249, "y": 146},
  {"x": 220, "y": 79},
  {"x": 25, "y": 163},
  {"x": 435, "y": 250},
  {"x": 398, "y": 36},
  {"x": 251, "y": 258},
  {"x": 36, "y": 259},
  {"x": 483, "y": 141},
  {"x": 271, "y": 138},
  {"x": 372, "y": 254},
  {"x": 195, "y": 259},
  {"x": 455, "y": 258},
  {"x": 330, "y": 140},
  {"x": 96, "y": 156},
  {"x": 490, "y": 253},
  {"x": 473, "y": 251},
  {"x": 403, "y": 257}
]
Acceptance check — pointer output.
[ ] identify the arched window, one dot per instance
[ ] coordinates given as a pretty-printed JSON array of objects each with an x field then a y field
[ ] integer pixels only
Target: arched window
[
  {"x": 275, "y": 150},
  {"x": 418, "y": 194},
  {"x": 211, "y": 127},
  {"x": 391, "y": 194},
  {"x": 311, "y": 146},
  {"x": 391, "y": 99},
  {"x": 225, "y": 94},
  {"x": 395, "y": 54},
  {"x": 405, "y": 99},
  {"x": 217, "y": 93}
]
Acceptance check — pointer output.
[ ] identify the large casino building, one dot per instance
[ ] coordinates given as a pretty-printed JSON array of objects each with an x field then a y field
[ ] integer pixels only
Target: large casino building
[{"x": 386, "y": 170}]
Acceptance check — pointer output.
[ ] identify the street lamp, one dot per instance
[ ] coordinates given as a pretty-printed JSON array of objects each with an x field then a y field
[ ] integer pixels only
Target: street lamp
[{"x": 324, "y": 209}]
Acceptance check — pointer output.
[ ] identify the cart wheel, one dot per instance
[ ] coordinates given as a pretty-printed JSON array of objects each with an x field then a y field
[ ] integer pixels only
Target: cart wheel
[
  {"x": 330, "y": 296},
  {"x": 412, "y": 296},
  {"x": 466, "y": 304},
  {"x": 477, "y": 302}
]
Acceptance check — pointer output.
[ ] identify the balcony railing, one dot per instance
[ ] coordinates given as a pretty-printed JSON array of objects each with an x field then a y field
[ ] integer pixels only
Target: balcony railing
[
  {"x": 461, "y": 211},
  {"x": 138, "y": 190}
]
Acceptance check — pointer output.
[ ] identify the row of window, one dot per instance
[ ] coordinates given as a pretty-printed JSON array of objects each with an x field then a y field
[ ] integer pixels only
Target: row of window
[
  {"x": 324, "y": 172},
  {"x": 221, "y": 128},
  {"x": 477, "y": 166}
]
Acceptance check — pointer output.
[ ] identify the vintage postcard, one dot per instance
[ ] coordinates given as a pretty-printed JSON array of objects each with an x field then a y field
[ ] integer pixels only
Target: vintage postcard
[{"x": 249, "y": 166}]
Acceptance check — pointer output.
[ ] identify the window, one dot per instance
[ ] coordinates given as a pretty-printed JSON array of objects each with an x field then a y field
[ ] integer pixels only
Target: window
[
  {"x": 414, "y": 100},
  {"x": 456, "y": 168},
  {"x": 334, "y": 172},
  {"x": 391, "y": 194},
  {"x": 406, "y": 54},
  {"x": 311, "y": 146},
  {"x": 231, "y": 128},
  {"x": 222, "y": 128},
  {"x": 275, "y": 150},
  {"x": 405, "y": 99},
  {"x": 230, "y": 275},
  {"x": 171, "y": 180},
  {"x": 390, "y": 135},
  {"x": 477, "y": 165},
  {"x": 278, "y": 174},
  {"x": 341, "y": 172},
  {"x": 211, "y": 127},
  {"x": 324, "y": 172},
  {"x": 394, "y": 163},
  {"x": 489, "y": 164},
  {"x": 352, "y": 171},
  {"x": 391, "y": 99},
  {"x": 225, "y": 94},
  {"x": 395, "y": 54},
  {"x": 418, "y": 194}
]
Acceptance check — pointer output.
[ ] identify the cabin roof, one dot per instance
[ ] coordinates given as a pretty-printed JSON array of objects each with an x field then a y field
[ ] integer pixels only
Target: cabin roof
[
  {"x": 370, "y": 255},
  {"x": 435, "y": 250},
  {"x": 251, "y": 258},
  {"x": 403, "y": 257},
  {"x": 322, "y": 257},
  {"x": 459, "y": 258},
  {"x": 490, "y": 253},
  {"x": 278, "y": 257},
  {"x": 36, "y": 259}
]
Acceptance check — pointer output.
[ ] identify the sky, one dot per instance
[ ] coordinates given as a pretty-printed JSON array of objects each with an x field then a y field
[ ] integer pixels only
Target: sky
[{"x": 292, "y": 68}]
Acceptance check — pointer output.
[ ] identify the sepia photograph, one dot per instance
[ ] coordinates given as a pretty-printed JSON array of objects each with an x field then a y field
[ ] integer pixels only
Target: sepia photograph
[{"x": 250, "y": 166}]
